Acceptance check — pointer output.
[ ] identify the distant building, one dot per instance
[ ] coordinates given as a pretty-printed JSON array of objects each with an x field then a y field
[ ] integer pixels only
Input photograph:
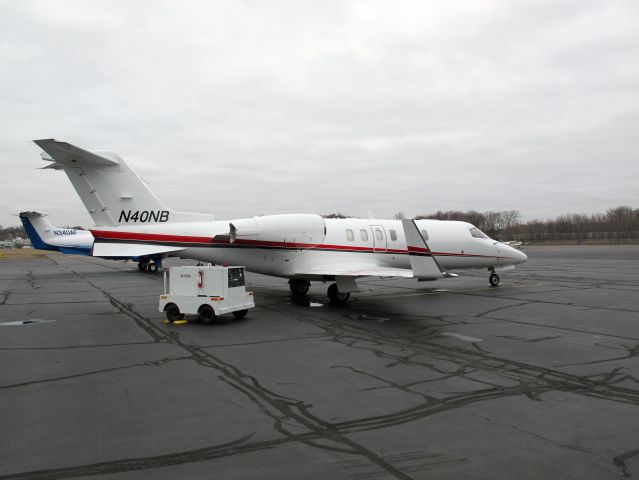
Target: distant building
[{"x": 17, "y": 242}]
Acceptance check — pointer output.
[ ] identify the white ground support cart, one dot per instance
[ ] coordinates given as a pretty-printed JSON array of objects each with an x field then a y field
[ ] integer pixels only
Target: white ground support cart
[{"x": 207, "y": 292}]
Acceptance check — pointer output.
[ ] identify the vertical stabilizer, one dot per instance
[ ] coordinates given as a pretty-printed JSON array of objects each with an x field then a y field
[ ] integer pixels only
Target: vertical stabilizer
[
  {"x": 39, "y": 229},
  {"x": 110, "y": 190}
]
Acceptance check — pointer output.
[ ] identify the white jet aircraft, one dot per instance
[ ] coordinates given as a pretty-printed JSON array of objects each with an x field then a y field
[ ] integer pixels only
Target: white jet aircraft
[
  {"x": 131, "y": 221},
  {"x": 70, "y": 241},
  {"x": 45, "y": 236}
]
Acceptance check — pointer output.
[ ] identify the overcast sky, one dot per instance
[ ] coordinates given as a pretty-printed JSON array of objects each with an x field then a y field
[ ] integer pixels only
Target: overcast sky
[{"x": 245, "y": 108}]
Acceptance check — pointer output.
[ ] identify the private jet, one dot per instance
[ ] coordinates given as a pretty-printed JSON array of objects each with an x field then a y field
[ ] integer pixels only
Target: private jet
[
  {"x": 132, "y": 222},
  {"x": 70, "y": 241}
]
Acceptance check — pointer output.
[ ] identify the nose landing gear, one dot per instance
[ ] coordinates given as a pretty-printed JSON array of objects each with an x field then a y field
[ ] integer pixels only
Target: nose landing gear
[{"x": 494, "y": 278}]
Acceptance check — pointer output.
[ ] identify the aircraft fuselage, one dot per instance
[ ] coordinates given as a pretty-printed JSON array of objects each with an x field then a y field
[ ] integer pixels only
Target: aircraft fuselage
[{"x": 334, "y": 242}]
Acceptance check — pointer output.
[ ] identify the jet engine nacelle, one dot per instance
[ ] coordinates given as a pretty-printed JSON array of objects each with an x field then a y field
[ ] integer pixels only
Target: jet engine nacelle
[{"x": 304, "y": 229}]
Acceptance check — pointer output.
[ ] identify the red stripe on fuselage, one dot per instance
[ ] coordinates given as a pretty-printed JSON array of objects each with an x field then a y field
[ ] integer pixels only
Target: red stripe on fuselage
[
  {"x": 155, "y": 237},
  {"x": 168, "y": 238}
]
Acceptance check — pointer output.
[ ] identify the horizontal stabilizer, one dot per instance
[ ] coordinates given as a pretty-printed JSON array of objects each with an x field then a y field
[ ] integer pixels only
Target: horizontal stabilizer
[
  {"x": 32, "y": 214},
  {"x": 69, "y": 155},
  {"x": 131, "y": 250},
  {"x": 422, "y": 261}
]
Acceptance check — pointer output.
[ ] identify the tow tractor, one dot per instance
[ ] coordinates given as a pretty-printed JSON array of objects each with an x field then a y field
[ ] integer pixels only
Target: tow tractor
[{"x": 207, "y": 292}]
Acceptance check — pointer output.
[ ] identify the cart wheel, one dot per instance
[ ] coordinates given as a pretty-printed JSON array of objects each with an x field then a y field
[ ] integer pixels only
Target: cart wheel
[
  {"x": 173, "y": 312},
  {"x": 153, "y": 267},
  {"x": 206, "y": 314},
  {"x": 239, "y": 314}
]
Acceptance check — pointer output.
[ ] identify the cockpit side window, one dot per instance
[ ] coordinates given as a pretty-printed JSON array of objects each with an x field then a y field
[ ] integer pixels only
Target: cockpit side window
[{"x": 477, "y": 233}]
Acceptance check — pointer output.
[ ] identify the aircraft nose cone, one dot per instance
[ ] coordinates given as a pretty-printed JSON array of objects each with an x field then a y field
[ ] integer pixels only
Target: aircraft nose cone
[
  {"x": 520, "y": 256},
  {"x": 515, "y": 256}
]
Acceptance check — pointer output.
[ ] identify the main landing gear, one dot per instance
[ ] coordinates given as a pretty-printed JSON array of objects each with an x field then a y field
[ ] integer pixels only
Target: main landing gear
[
  {"x": 299, "y": 287},
  {"x": 336, "y": 296},
  {"x": 494, "y": 278},
  {"x": 149, "y": 265}
]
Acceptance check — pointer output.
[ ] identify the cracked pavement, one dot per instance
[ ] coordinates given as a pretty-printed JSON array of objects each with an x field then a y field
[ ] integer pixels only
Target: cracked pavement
[{"x": 538, "y": 378}]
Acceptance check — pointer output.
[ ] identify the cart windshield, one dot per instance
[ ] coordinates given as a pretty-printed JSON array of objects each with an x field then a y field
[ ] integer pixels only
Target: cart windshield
[{"x": 236, "y": 277}]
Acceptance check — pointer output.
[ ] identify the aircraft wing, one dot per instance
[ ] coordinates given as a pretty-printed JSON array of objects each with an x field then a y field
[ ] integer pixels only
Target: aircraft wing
[
  {"x": 422, "y": 261},
  {"x": 129, "y": 250},
  {"x": 361, "y": 270}
]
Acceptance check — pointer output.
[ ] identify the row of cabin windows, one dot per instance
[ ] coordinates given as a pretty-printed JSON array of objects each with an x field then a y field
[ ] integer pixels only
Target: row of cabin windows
[{"x": 379, "y": 235}]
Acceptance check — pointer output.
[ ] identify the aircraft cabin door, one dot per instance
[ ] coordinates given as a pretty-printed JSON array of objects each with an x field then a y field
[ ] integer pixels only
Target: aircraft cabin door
[{"x": 379, "y": 238}]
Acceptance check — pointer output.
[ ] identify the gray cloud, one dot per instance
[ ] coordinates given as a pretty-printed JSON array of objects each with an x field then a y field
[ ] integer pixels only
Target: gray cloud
[{"x": 343, "y": 106}]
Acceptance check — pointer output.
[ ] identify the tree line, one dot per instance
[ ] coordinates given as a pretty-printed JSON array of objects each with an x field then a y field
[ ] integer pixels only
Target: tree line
[
  {"x": 9, "y": 233},
  {"x": 618, "y": 223}
]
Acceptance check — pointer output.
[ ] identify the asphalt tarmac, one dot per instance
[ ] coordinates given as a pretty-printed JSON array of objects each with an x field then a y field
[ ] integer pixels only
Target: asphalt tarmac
[{"x": 537, "y": 378}]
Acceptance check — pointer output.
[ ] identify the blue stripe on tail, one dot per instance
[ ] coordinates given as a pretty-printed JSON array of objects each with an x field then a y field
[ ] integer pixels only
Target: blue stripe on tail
[{"x": 36, "y": 241}]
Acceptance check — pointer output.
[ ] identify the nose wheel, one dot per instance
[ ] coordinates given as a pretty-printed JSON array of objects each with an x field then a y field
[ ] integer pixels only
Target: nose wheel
[{"x": 493, "y": 279}]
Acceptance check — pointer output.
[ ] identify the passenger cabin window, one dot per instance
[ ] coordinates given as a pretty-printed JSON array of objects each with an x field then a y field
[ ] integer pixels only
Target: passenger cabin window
[
  {"x": 236, "y": 277},
  {"x": 393, "y": 235},
  {"x": 349, "y": 235},
  {"x": 477, "y": 233},
  {"x": 364, "y": 235},
  {"x": 379, "y": 235},
  {"x": 424, "y": 235}
]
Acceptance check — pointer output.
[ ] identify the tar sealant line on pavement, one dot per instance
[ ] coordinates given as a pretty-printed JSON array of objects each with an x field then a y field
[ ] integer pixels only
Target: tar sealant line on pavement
[{"x": 33, "y": 321}]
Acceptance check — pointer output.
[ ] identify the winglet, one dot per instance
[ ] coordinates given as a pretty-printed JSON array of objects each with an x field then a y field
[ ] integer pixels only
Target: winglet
[{"x": 422, "y": 261}]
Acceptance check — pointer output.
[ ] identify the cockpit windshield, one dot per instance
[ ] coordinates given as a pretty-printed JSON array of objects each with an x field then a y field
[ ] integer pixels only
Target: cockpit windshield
[{"x": 477, "y": 233}]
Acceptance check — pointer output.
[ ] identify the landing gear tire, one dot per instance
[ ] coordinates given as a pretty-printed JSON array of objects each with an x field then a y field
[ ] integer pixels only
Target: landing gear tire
[
  {"x": 153, "y": 267},
  {"x": 142, "y": 266},
  {"x": 299, "y": 287},
  {"x": 206, "y": 315},
  {"x": 493, "y": 279},
  {"x": 240, "y": 314},
  {"x": 336, "y": 296},
  {"x": 173, "y": 312}
]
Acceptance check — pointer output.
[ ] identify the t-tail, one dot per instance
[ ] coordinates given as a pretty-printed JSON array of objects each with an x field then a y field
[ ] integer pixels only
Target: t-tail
[
  {"x": 110, "y": 190},
  {"x": 45, "y": 236}
]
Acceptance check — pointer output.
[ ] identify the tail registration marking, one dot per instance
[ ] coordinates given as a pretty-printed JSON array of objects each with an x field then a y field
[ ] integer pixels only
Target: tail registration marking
[{"x": 143, "y": 216}]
